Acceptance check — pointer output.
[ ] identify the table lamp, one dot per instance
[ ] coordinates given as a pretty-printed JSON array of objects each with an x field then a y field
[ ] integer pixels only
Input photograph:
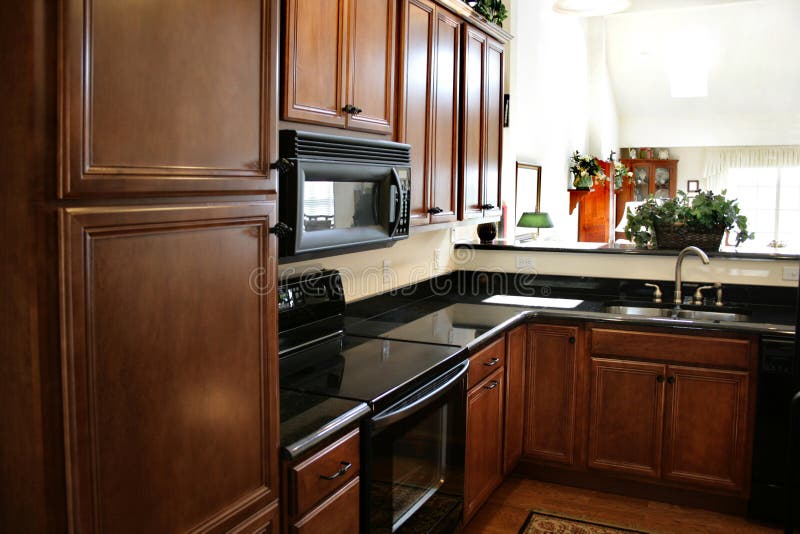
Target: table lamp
[{"x": 534, "y": 219}]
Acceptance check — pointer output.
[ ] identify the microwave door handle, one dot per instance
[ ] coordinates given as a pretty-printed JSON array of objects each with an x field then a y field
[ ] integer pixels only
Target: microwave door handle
[
  {"x": 392, "y": 415},
  {"x": 397, "y": 200},
  {"x": 376, "y": 202}
]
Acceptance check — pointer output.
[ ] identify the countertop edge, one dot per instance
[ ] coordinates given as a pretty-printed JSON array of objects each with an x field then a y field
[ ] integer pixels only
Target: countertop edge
[{"x": 294, "y": 450}]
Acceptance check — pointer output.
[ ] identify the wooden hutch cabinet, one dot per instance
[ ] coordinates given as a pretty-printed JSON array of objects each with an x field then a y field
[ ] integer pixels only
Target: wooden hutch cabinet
[{"x": 657, "y": 177}]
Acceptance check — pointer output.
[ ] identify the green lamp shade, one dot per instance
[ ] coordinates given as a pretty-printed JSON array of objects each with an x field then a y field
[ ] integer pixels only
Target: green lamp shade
[{"x": 537, "y": 219}]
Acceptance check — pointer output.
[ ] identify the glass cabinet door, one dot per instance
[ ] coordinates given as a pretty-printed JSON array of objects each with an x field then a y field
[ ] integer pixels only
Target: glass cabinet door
[
  {"x": 641, "y": 182},
  {"x": 661, "y": 179}
]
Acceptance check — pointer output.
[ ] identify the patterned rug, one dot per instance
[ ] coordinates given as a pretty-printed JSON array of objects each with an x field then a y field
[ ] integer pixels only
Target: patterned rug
[{"x": 539, "y": 523}]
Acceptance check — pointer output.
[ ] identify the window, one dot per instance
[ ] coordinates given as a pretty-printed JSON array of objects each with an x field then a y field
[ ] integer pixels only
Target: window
[{"x": 770, "y": 198}]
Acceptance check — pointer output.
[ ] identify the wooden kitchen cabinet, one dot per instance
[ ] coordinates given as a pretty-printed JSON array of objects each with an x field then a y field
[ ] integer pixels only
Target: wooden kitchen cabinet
[
  {"x": 482, "y": 122},
  {"x": 484, "y": 441},
  {"x": 660, "y": 411},
  {"x": 339, "y": 63},
  {"x": 428, "y": 110},
  {"x": 170, "y": 366},
  {"x": 707, "y": 428},
  {"x": 626, "y": 416},
  {"x": 176, "y": 99},
  {"x": 553, "y": 384},
  {"x": 515, "y": 397},
  {"x": 321, "y": 489}
]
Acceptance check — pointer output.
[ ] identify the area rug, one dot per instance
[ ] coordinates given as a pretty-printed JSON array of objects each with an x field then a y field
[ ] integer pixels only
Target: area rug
[{"x": 539, "y": 523}]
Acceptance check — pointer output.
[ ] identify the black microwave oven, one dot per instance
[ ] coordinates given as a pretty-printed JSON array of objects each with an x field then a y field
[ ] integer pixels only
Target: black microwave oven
[{"x": 341, "y": 192}]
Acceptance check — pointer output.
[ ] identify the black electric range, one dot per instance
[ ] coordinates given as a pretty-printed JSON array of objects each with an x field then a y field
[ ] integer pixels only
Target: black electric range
[{"x": 412, "y": 442}]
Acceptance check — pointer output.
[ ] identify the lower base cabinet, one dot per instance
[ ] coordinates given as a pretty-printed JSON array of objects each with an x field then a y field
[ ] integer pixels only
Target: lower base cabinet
[
  {"x": 321, "y": 489},
  {"x": 483, "y": 470}
]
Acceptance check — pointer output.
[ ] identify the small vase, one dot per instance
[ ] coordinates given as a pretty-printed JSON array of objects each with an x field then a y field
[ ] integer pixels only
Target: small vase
[
  {"x": 583, "y": 182},
  {"x": 487, "y": 232}
]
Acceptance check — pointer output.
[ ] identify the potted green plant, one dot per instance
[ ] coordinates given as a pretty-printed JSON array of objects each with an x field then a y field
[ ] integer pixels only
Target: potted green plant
[
  {"x": 682, "y": 221},
  {"x": 493, "y": 10}
]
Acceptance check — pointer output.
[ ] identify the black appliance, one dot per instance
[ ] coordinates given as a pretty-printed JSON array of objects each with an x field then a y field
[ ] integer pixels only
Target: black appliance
[
  {"x": 413, "y": 442},
  {"x": 778, "y": 382},
  {"x": 342, "y": 192}
]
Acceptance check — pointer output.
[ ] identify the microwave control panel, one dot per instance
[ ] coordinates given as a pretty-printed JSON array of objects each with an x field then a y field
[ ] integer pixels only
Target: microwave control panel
[{"x": 404, "y": 173}]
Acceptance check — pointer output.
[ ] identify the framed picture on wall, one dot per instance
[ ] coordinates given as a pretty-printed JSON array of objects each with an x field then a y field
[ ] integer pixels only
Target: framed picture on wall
[{"x": 692, "y": 186}]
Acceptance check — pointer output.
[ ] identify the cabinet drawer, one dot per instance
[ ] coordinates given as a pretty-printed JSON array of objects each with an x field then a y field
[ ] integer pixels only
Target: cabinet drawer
[
  {"x": 701, "y": 350},
  {"x": 307, "y": 479},
  {"x": 488, "y": 359},
  {"x": 337, "y": 515}
]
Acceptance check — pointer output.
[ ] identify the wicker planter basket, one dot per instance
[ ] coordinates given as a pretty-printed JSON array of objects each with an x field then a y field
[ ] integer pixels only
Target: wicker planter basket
[{"x": 679, "y": 236}]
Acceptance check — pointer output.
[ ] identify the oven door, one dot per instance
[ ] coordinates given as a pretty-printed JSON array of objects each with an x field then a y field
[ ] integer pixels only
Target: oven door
[
  {"x": 414, "y": 460},
  {"x": 345, "y": 204}
]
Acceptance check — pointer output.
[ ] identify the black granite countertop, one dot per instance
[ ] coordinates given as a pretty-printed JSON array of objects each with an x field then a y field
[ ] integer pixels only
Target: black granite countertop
[
  {"x": 308, "y": 419},
  {"x": 451, "y": 310}
]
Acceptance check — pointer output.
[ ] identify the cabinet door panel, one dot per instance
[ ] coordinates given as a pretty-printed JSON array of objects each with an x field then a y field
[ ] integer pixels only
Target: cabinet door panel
[
  {"x": 415, "y": 117},
  {"x": 494, "y": 126},
  {"x": 473, "y": 123},
  {"x": 170, "y": 365},
  {"x": 314, "y": 82},
  {"x": 706, "y": 436},
  {"x": 551, "y": 393},
  {"x": 372, "y": 37},
  {"x": 484, "y": 443},
  {"x": 626, "y": 416},
  {"x": 444, "y": 185},
  {"x": 173, "y": 98},
  {"x": 515, "y": 397}
]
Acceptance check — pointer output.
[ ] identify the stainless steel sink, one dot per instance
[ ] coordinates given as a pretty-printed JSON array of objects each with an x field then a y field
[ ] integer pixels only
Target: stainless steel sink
[{"x": 696, "y": 315}]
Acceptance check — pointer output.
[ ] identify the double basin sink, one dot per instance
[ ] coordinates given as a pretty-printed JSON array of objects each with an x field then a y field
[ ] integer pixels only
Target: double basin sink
[{"x": 694, "y": 313}]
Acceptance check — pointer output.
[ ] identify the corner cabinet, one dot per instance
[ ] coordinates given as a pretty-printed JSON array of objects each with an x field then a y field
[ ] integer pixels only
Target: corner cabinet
[
  {"x": 339, "y": 63},
  {"x": 178, "y": 99},
  {"x": 428, "y": 109},
  {"x": 482, "y": 124},
  {"x": 170, "y": 368}
]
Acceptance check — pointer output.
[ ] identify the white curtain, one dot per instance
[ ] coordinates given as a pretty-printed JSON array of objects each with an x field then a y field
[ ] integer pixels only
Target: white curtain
[{"x": 720, "y": 160}]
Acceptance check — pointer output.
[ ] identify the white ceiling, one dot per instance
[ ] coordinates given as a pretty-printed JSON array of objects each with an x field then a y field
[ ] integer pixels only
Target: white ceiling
[{"x": 754, "y": 57}]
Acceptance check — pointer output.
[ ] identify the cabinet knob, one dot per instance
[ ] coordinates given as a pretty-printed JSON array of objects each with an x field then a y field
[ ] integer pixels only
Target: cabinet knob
[
  {"x": 435, "y": 210},
  {"x": 671, "y": 380},
  {"x": 487, "y": 207},
  {"x": 356, "y": 111},
  {"x": 344, "y": 468},
  {"x": 572, "y": 340},
  {"x": 491, "y": 385},
  {"x": 492, "y": 362},
  {"x": 660, "y": 378},
  {"x": 283, "y": 165}
]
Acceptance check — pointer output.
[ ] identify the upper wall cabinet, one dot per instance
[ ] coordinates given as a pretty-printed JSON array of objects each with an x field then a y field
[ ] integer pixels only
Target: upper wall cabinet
[
  {"x": 482, "y": 123},
  {"x": 167, "y": 97},
  {"x": 428, "y": 110},
  {"x": 339, "y": 63}
]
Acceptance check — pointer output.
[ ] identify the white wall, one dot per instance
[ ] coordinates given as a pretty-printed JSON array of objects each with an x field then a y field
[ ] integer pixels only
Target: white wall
[{"x": 727, "y": 271}]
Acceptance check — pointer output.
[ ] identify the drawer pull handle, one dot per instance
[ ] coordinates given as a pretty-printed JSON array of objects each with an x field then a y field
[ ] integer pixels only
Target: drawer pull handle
[
  {"x": 493, "y": 384},
  {"x": 492, "y": 362},
  {"x": 345, "y": 467}
]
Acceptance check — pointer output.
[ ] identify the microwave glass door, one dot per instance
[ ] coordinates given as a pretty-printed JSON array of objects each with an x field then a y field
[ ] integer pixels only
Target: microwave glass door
[{"x": 344, "y": 205}]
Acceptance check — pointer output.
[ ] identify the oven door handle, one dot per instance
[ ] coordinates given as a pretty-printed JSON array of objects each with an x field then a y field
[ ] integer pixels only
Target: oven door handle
[{"x": 422, "y": 398}]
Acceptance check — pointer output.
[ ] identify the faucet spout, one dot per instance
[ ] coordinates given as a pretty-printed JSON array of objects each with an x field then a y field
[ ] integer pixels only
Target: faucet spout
[{"x": 678, "y": 266}]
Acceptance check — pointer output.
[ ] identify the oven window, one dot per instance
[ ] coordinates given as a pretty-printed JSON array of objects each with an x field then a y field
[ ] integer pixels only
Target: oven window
[
  {"x": 414, "y": 476},
  {"x": 331, "y": 205}
]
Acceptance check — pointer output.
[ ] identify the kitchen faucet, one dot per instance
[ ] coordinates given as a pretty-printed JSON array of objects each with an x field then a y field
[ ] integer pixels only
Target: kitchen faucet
[{"x": 679, "y": 263}]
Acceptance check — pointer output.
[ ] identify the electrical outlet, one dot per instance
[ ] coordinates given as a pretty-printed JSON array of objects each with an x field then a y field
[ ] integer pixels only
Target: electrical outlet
[
  {"x": 524, "y": 262},
  {"x": 791, "y": 273},
  {"x": 387, "y": 272},
  {"x": 437, "y": 259}
]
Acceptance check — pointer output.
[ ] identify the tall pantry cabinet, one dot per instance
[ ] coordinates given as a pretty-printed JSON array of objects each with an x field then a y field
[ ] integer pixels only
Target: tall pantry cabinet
[{"x": 160, "y": 412}]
